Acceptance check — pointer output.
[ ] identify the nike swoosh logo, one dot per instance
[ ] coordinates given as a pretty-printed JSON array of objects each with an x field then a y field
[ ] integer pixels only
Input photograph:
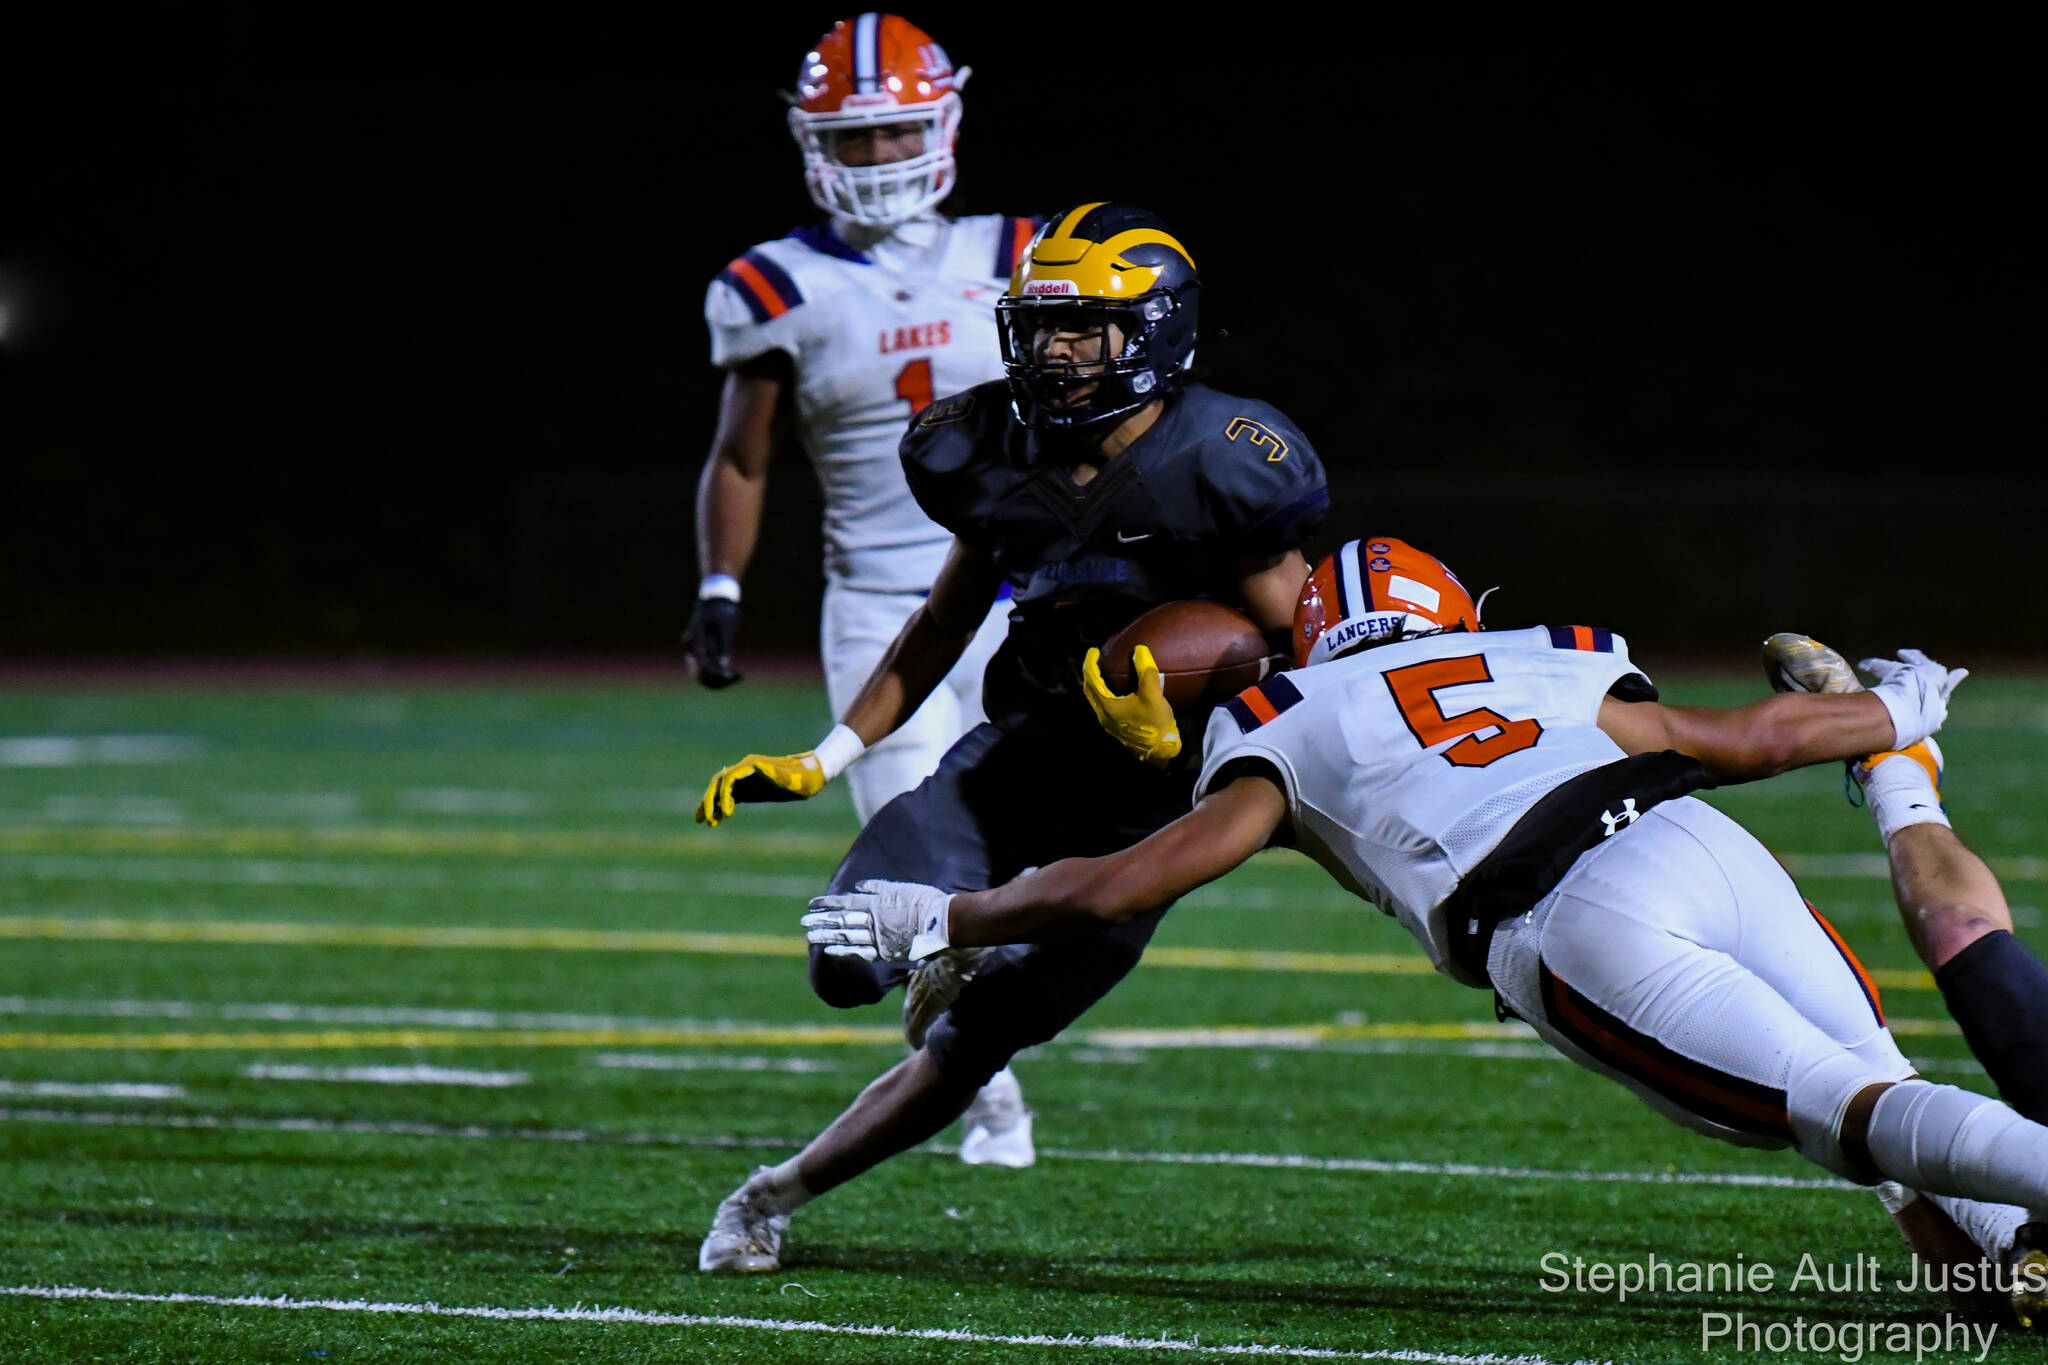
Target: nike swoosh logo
[{"x": 1124, "y": 539}]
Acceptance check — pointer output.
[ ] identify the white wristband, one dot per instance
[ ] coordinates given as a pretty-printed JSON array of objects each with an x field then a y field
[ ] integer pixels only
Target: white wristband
[
  {"x": 838, "y": 749},
  {"x": 720, "y": 585},
  {"x": 935, "y": 934},
  {"x": 1908, "y": 720}
]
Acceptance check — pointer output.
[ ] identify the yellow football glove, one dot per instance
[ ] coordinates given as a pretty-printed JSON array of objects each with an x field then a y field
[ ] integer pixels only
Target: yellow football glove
[
  {"x": 757, "y": 777},
  {"x": 1142, "y": 722}
]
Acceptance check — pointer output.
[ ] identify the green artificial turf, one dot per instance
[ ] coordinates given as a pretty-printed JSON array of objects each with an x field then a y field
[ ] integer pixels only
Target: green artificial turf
[{"x": 197, "y": 890}]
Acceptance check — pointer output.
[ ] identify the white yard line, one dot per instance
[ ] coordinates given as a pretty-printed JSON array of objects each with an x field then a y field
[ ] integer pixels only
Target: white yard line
[
  {"x": 243, "y": 1123},
  {"x": 1089, "y": 1341},
  {"x": 467, "y": 801},
  {"x": 369, "y": 1015},
  {"x": 662, "y": 1061},
  {"x": 388, "y": 1075},
  {"x": 78, "y": 751},
  {"x": 1511, "y": 1042},
  {"x": 81, "y": 1090}
]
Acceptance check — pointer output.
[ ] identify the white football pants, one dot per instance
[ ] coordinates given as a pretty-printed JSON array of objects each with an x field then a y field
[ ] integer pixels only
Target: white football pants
[
  {"x": 1679, "y": 959},
  {"x": 854, "y": 633}
]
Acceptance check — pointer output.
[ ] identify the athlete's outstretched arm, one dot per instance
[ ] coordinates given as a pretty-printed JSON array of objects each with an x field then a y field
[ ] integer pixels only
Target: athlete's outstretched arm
[
  {"x": 1222, "y": 831},
  {"x": 1759, "y": 740},
  {"x": 928, "y": 646},
  {"x": 1793, "y": 729},
  {"x": 904, "y": 921}
]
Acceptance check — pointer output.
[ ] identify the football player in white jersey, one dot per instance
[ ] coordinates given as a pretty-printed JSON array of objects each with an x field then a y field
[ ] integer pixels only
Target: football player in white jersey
[
  {"x": 856, "y": 324},
  {"x": 1519, "y": 802}
]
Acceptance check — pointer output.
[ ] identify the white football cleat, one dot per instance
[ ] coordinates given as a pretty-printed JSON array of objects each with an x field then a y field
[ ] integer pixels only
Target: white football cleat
[
  {"x": 1799, "y": 663},
  {"x": 745, "y": 1239},
  {"x": 998, "y": 1126}
]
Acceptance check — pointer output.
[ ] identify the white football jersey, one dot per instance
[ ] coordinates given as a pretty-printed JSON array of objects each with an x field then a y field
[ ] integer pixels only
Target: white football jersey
[
  {"x": 1405, "y": 764},
  {"x": 875, "y": 336}
]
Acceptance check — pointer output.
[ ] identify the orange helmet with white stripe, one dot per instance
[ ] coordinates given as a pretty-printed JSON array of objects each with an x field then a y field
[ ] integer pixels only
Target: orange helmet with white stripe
[
  {"x": 870, "y": 71},
  {"x": 1373, "y": 592}
]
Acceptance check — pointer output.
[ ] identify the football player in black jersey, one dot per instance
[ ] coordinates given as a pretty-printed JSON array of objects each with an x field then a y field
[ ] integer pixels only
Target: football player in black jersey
[{"x": 1099, "y": 481}]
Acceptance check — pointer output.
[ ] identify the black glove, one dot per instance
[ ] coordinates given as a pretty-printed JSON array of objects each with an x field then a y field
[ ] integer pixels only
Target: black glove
[{"x": 708, "y": 642}]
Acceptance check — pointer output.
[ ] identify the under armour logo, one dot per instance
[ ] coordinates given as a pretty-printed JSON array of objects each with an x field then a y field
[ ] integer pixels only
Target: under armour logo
[{"x": 1617, "y": 822}]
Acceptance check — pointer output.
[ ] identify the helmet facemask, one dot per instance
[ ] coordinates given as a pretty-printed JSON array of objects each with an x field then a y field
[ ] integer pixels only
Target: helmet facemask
[
  {"x": 892, "y": 192},
  {"x": 1074, "y": 362}
]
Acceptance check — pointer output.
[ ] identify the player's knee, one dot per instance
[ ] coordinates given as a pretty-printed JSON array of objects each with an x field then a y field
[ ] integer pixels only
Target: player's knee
[
  {"x": 1829, "y": 1104},
  {"x": 845, "y": 982},
  {"x": 1945, "y": 930}
]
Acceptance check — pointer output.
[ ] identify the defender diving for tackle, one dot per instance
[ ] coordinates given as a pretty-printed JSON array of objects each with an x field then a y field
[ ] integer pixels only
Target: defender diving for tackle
[{"x": 1521, "y": 803}]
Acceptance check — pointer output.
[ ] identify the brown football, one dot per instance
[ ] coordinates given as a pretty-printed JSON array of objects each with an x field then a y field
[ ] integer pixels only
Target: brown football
[{"x": 1206, "y": 654}]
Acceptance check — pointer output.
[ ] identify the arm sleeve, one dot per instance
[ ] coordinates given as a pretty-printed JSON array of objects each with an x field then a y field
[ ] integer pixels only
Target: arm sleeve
[{"x": 1263, "y": 482}]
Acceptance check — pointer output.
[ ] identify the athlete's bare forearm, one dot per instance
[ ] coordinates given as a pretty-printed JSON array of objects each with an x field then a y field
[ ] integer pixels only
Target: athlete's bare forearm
[
  {"x": 1756, "y": 741},
  {"x": 734, "y": 484},
  {"x": 928, "y": 646},
  {"x": 1947, "y": 896},
  {"x": 728, "y": 518},
  {"x": 1078, "y": 893},
  {"x": 919, "y": 658}
]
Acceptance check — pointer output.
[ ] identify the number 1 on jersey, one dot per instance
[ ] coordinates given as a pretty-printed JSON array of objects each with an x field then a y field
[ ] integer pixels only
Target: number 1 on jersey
[
  {"x": 1415, "y": 688},
  {"x": 914, "y": 384}
]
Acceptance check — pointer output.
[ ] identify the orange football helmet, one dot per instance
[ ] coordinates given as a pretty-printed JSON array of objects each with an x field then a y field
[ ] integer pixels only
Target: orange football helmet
[
  {"x": 1373, "y": 592},
  {"x": 870, "y": 71}
]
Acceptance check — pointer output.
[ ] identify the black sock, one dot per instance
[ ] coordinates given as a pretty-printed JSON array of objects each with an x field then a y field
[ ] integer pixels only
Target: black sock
[{"x": 1998, "y": 991}]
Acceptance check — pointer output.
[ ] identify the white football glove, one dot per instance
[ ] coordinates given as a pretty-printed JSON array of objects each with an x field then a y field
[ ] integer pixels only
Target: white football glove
[
  {"x": 890, "y": 921},
  {"x": 1914, "y": 688}
]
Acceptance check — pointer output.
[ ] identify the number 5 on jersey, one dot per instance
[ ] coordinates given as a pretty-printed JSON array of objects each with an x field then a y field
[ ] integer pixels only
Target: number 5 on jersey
[{"x": 1415, "y": 688}]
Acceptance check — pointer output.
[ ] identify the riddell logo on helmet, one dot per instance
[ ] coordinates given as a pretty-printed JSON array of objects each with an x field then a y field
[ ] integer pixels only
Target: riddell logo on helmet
[{"x": 1042, "y": 287}]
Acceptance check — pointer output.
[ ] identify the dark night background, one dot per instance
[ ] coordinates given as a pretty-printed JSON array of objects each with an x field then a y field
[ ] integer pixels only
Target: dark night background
[{"x": 337, "y": 337}]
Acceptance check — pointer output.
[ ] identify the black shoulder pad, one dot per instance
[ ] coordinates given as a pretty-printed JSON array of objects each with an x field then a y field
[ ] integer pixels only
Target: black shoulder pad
[
  {"x": 1633, "y": 687},
  {"x": 1261, "y": 476},
  {"x": 942, "y": 452}
]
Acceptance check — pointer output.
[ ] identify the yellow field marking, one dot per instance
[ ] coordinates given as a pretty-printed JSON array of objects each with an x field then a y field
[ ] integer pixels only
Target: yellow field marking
[
  {"x": 1901, "y": 978},
  {"x": 543, "y": 938},
  {"x": 1227, "y": 1035},
  {"x": 401, "y": 936}
]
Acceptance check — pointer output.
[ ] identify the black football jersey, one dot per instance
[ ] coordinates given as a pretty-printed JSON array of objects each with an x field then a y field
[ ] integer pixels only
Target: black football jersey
[{"x": 1217, "y": 478}]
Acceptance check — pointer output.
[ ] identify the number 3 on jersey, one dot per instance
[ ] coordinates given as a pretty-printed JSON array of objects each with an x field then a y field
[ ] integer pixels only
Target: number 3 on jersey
[
  {"x": 1415, "y": 688},
  {"x": 914, "y": 384}
]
